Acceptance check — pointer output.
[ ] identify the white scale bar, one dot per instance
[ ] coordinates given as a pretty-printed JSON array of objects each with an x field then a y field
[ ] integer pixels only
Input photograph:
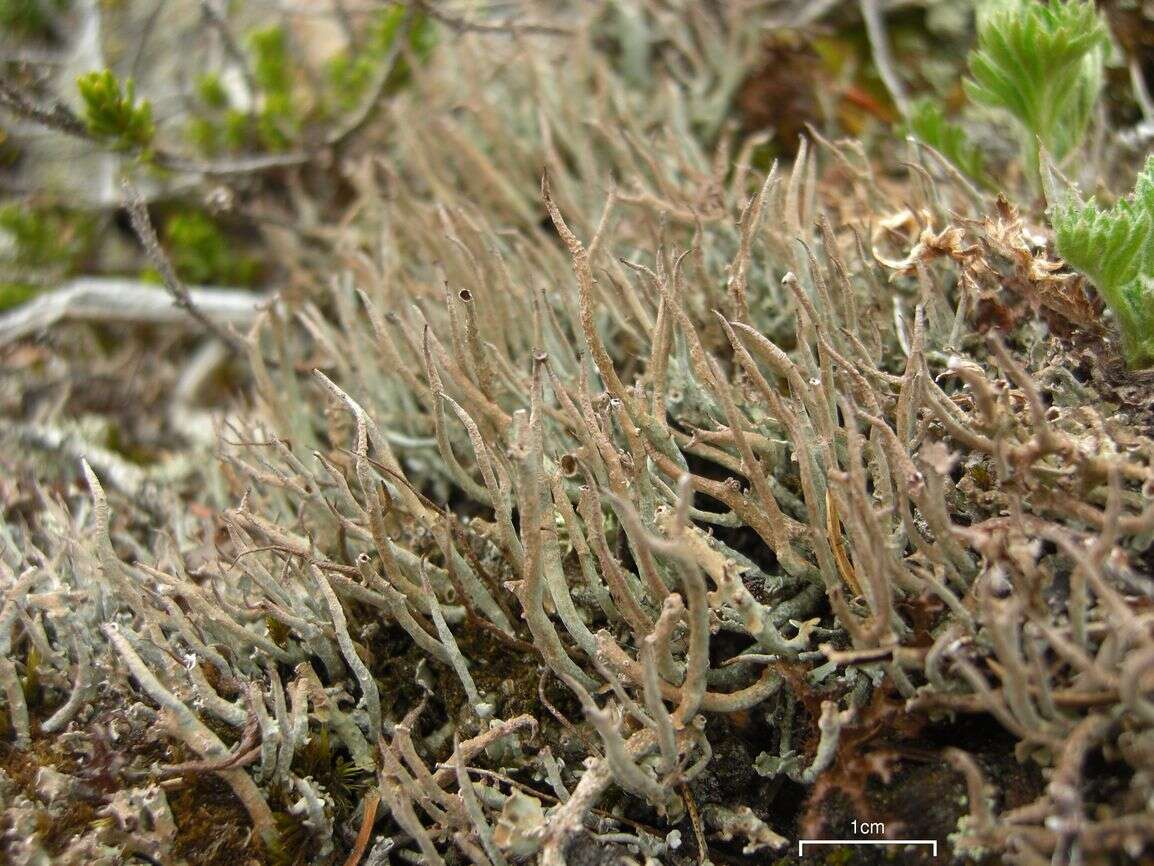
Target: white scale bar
[{"x": 803, "y": 842}]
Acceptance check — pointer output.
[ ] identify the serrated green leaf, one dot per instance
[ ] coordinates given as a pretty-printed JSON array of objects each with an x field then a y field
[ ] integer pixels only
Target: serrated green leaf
[
  {"x": 1114, "y": 247},
  {"x": 1042, "y": 63},
  {"x": 1105, "y": 245}
]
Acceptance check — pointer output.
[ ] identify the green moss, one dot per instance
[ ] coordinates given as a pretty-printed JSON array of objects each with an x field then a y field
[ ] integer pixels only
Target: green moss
[
  {"x": 277, "y": 123},
  {"x": 422, "y": 36},
  {"x": 282, "y": 111},
  {"x": 275, "y": 129},
  {"x": 236, "y": 130},
  {"x": 334, "y": 770},
  {"x": 278, "y": 632},
  {"x": 293, "y": 843},
  {"x": 349, "y": 77},
  {"x": 274, "y": 125},
  {"x": 41, "y": 237},
  {"x": 15, "y": 294},
  {"x": 842, "y": 856},
  {"x": 206, "y": 135}
]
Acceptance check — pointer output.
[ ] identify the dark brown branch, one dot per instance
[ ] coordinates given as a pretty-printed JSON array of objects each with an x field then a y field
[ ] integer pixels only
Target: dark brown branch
[{"x": 51, "y": 114}]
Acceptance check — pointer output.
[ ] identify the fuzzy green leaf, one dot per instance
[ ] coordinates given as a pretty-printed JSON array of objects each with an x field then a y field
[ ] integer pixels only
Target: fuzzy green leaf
[
  {"x": 1105, "y": 245},
  {"x": 1041, "y": 62},
  {"x": 1114, "y": 247}
]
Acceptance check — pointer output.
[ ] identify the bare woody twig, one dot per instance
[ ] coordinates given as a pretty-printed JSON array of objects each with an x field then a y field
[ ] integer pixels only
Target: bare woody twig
[
  {"x": 215, "y": 18},
  {"x": 113, "y": 299},
  {"x": 51, "y": 114},
  {"x": 883, "y": 59},
  {"x": 362, "y": 842},
  {"x": 142, "y": 225}
]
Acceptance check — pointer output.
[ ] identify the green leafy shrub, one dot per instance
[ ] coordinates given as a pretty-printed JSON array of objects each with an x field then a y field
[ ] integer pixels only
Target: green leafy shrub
[
  {"x": 112, "y": 112},
  {"x": 278, "y": 121},
  {"x": 30, "y": 18},
  {"x": 211, "y": 92},
  {"x": 202, "y": 254},
  {"x": 41, "y": 237},
  {"x": 928, "y": 122},
  {"x": 350, "y": 73},
  {"x": 274, "y": 125},
  {"x": 271, "y": 62},
  {"x": 1043, "y": 63},
  {"x": 283, "y": 108},
  {"x": 38, "y": 243},
  {"x": 1114, "y": 247}
]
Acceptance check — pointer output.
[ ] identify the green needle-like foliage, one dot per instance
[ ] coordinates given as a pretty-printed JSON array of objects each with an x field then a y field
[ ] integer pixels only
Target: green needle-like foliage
[
  {"x": 1115, "y": 249},
  {"x": 350, "y": 73},
  {"x": 112, "y": 112},
  {"x": 272, "y": 69},
  {"x": 211, "y": 91},
  {"x": 278, "y": 121},
  {"x": 1041, "y": 62}
]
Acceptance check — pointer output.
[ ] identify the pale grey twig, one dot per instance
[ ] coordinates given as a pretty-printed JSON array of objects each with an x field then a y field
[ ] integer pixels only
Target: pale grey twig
[
  {"x": 460, "y": 24},
  {"x": 883, "y": 59},
  {"x": 116, "y": 299},
  {"x": 216, "y": 19},
  {"x": 49, "y": 114}
]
